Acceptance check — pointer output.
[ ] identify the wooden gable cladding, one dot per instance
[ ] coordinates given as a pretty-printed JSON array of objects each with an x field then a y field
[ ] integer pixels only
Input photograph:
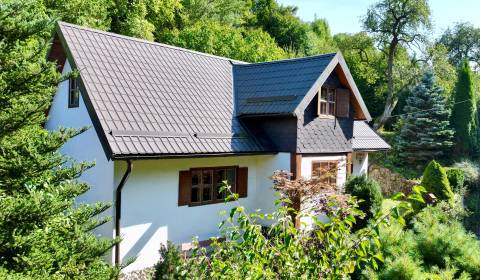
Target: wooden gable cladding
[
  {"x": 357, "y": 109},
  {"x": 342, "y": 103},
  {"x": 57, "y": 53}
]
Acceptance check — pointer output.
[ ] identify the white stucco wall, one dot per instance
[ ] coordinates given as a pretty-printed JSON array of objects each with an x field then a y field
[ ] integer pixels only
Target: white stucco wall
[
  {"x": 84, "y": 147},
  {"x": 342, "y": 164},
  {"x": 360, "y": 163},
  {"x": 150, "y": 211}
]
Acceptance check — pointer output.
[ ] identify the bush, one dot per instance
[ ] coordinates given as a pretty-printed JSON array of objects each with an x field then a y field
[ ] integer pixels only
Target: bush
[
  {"x": 456, "y": 178},
  {"x": 471, "y": 170},
  {"x": 435, "y": 181},
  {"x": 170, "y": 261},
  {"x": 367, "y": 190},
  {"x": 446, "y": 243}
]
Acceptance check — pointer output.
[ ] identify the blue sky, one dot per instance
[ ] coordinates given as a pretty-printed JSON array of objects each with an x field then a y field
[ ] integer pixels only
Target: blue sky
[{"x": 344, "y": 15}]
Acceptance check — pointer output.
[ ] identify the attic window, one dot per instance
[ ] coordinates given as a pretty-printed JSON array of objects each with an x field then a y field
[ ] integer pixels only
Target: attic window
[
  {"x": 73, "y": 93},
  {"x": 326, "y": 101}
]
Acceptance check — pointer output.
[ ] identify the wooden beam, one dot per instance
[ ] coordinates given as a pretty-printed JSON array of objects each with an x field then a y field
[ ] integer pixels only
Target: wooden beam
[
  {"x": 349, "y": 164},
  {"x": 296, "y": 165}
]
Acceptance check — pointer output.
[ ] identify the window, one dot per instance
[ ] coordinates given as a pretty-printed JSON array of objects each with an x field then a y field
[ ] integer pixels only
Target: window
[
  {"x": 207, "y": 183},
  {"x": 199, "y": 186},
  {"x": 326, "y": 101},
  {"x": 73, "y": 93},
  {"x": 326, "y": 171}
]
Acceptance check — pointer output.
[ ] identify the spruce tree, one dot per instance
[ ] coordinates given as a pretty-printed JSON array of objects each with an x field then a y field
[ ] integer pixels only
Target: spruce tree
[
  {"x": 463, "y": 119},
  {"x": 44, "y": 234},
  {"x": 426, "y": 132}
]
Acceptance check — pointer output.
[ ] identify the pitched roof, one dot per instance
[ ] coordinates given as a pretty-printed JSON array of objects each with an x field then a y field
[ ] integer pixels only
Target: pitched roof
[
  {"x": 153, "y": 99},
  {"x": 366, "y": 139},
  {"x": 276, "y": 87},
  {"x": 149, "y": 99},
  {"x": 335, "y": 135}
]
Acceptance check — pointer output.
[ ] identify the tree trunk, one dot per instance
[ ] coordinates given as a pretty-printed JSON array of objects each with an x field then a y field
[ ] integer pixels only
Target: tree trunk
[{"x": 391, "y": 100}]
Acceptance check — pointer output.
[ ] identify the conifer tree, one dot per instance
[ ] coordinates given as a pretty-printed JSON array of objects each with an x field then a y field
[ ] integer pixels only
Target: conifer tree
[
  {"x": 463, "y": 119},
  {"x": 43, "y": 233},
  {"x": 426, "y": 133}
]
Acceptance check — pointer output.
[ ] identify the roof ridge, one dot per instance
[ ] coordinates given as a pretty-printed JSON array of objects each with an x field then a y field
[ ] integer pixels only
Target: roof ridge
[
  {"x": 312, "y": 57},
  {"x": 62, "y": 23}
]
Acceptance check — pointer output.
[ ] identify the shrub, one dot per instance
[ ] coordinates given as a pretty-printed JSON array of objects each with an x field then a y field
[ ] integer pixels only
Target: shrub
[
  {"x": 170, "y": 261},
  {"x": 403, "y": 267},
  {"x": 446, "y": 243},
  {"x": 435, "y": 181},
  {"x": 456, "y": 178},
  {"x": 471, "y": 170},
  {"x": 367, "y": 190}
]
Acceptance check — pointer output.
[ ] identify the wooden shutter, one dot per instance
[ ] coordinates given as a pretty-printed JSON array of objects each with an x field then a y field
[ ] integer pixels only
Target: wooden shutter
[
  {"x": 242, "y": 181},
  {"x": 343, "y": 103},
  {"x": 184, "y": 187}
]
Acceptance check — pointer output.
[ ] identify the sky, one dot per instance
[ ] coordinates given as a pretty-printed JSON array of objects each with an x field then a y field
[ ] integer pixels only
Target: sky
[{"x": 344, "y": 15}]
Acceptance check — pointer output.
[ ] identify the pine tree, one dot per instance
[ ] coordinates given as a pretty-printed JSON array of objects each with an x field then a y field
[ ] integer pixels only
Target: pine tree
[
  {"x": 425, "y": 133},
  {"x": 43, "y": 233},
  {"x": 463, "y": 119}
]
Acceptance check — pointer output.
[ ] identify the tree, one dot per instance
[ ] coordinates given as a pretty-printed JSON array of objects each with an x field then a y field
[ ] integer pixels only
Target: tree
[
  {"x": 396, "y": 23},
  {"x": 251, "y": 45},
  {"x": 43, "y": 233},
  {"x": 425, "y": 133},
  {"x": 91, "y": 13},
  {"x": 462, "y": 42},
  {"x": 435, "y": 180},
  {"x": 464, "y": 118},
  {"x": 280, "y": 22}
]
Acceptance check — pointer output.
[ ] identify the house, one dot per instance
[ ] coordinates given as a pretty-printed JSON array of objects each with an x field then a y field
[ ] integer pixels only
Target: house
[{"x": 169, "y": 124}]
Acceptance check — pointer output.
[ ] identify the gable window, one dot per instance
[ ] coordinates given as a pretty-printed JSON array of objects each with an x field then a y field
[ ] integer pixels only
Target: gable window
[
  {"x": 199, "y": 186},
  {"x": 326, "y": 171},
  {"x": 326, "y": 101},
  {"x": 73, "y": 93}
]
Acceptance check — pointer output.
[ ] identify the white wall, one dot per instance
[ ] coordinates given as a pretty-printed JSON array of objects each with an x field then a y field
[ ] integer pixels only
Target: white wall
[
  {"x": 342, "y": 164},
  {"x": 150, "y": 211},
  {"x": 360, "y": 163},
  {"x": 84, "y": 147}
]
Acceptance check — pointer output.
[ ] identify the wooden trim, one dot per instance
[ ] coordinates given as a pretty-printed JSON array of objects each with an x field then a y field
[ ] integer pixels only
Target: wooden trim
[
  {"x": 349, "y": 164},
  {"x": 296, "y": 165}
]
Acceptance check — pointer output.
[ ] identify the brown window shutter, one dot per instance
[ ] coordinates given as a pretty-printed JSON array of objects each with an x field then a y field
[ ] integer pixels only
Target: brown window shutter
[
  {"x": 184, "y": 188},
  {"x": 242, "y": 181},
  {"x": 343, "y": 103}
]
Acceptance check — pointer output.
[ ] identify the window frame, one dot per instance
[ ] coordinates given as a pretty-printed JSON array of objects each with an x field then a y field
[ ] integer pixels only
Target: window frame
[
  {"x": 327, "y": 102},
  {"x": 213, "y": 195},
  {"x": 73, "y": 93},
  {"x": 329, "y": 179}
]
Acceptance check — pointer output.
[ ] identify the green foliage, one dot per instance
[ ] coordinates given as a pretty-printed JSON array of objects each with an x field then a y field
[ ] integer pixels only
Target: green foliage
[
  {"x": 471, "y": 170},
  {"x": 435, "y": 180},
  {"x": 214, "y": 38},
  {"x": 369, "y": 193},
  {"x": 433, "y": 246},
  {"x": 43, "y": 233},
  {"x": 464, "y": 111},
  {"x": 91, "y": 13},
  {"x": 170, "y": 264},
  {"x": 456, "y": 178},
  {"x": 281, "y": 23},
  {"x": 425, "y": 133},
  {"x": 245, "y": 250},
  {"x": 462, "y": 42}
]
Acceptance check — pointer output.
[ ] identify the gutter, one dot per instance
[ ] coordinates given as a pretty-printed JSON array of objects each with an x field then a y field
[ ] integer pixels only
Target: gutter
[{"x": 118, "y": 209}]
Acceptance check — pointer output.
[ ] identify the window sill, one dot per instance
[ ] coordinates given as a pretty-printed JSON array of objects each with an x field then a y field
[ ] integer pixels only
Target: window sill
[{"x": 326, "y": 116}]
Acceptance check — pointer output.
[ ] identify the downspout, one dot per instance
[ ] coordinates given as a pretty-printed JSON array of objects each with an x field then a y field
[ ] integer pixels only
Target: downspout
[{"x": 118, "y": 208}]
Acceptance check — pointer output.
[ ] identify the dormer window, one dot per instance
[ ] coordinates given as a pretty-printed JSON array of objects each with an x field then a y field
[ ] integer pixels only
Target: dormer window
[
  {"x": 73, "y": 93},
  {"x": 326, "y": 101}
]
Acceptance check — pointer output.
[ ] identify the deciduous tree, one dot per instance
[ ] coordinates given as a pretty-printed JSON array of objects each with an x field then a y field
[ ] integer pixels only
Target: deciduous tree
[{"x": 396, "y": 23}]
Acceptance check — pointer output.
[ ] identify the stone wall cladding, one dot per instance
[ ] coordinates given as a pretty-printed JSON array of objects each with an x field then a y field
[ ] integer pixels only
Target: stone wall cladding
[{"x": 389, "y": 181}]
